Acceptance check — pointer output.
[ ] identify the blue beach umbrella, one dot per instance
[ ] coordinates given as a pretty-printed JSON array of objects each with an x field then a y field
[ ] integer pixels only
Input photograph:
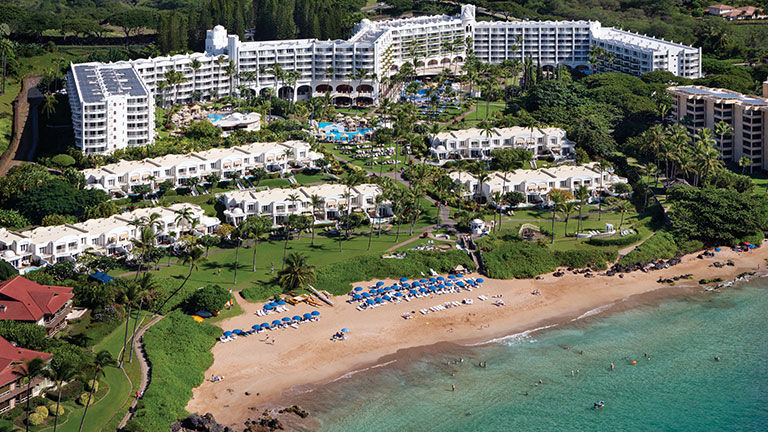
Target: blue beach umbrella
[
  {"x": 365, "y": 295},
  {"x": 281, "y": 303},
  {"x": 255, "y": 326},
  {"x": 379, "y": 283},
  {"x": 264, "y": 325},
  {"x": 237, "y": 331},
  {"x": 377, "y": 299},
  {"x": 276, "y": 323},
  {"x": 268, "y": 306},
  {"x": 403, "y": 279},
  {"x": 433, "y": 279},
  {"x": 398, "y": 294},
  {"x": 297, "y": 318},
  {"x": 422, "y": 290},
  {"x": 449, "y": 284},
  {"x": 459, "y": 276},
  {"x": 358, "y": 289},
  {"x": 370, "y": 301},
  {"x": 479, "y": 280},
  {"x": 415, "y": 284},
  {"x": 357, "y": 296},
  {"x": 345, "y": 330},
  {"x": 315, "y": 313},
  {"x": 460, "y": 283},
  {"x": 441, "y": 286},
  {"x": 423, "y": 280},
  {"x": 227, "y": 333},
  {"x": 451, "y": 277},
  {"x": 286, "y": 319},
  {"x": 440, "y": 278},
  {"x": 406, "y": 285},
  {"x": 387, "y": 297}
]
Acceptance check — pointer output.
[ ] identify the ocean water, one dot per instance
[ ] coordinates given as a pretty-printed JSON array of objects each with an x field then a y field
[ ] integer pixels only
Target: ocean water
[{"x": 681, "y": 387}]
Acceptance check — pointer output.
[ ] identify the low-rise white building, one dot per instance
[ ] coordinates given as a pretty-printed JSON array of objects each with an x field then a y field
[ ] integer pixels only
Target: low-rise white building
[
  {"x": 536, "y": 184},
  {"x": 280, "y": 203},
  {"x": 124, "y": 175},
  {"x": 38, "y": 247},
  {"x": 474, "y": 143}
]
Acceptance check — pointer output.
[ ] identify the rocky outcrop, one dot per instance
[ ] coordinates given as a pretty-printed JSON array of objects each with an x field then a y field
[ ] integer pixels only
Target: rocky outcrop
[{"x": 199, "y": 423}]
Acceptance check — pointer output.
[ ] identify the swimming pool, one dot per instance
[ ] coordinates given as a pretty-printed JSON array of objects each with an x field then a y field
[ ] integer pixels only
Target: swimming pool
[
  {"x": 336, "y": 131},
  {"x": 214, "y": 117}
]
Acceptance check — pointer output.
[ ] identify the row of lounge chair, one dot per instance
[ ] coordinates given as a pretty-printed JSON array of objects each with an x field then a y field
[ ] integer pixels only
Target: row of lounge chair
[
  {"x": 446, "y": 305},
  {"x": 263, "y": 328},
  {"x": 265, "y": 312}
]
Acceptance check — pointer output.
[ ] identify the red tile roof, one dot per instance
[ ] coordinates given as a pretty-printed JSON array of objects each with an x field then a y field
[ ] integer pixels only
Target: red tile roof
[
  {"x": 25, "y": 300},
  {"x": 10, "y": 356}
]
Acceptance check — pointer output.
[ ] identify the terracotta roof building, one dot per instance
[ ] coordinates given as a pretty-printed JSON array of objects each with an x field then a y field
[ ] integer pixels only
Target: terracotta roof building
[
  {"x": 12, "y": 390},
  {"x": 27, "y": 301}
]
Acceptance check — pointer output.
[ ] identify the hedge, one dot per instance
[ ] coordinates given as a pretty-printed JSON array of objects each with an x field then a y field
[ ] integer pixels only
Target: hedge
[
  {"x": 178, "y": 350},
  {"x": 614, "y": 241},
  {"x": 337, "y": 278},
  {"x": 662, "y": 245}
]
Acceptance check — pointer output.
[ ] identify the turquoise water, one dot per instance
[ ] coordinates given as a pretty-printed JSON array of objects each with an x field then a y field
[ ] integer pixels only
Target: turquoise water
[
  {"x": 681, "y": 388},
  {"x": 336, "y": 131},
  {"x": 216, "y": 116}
]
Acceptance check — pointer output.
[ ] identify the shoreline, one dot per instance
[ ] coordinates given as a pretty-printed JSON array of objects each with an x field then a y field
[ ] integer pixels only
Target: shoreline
[{"x": 299, "y": 361}]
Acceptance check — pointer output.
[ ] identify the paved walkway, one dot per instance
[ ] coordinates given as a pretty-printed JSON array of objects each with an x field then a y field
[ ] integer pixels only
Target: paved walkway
[{"x": 146, "y": 372}]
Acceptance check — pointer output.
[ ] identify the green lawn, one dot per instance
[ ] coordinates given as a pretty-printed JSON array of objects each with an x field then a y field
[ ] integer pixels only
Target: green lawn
[
  {"x": 303, "y": 179},
  {"x": 403, "y": 159}
]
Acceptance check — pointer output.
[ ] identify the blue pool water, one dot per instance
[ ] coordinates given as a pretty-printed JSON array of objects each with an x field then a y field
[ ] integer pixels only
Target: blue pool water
[
  {"x": 216, "y": 116},
  {"x": 337, "y": 131},
  {"x": 682, "y": 387}
]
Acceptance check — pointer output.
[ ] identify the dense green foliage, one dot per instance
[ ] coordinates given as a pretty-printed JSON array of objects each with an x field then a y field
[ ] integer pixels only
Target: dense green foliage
[
  {"x": 717, "y": 216},
  {"x": 505, "y": 256},
  {"x": 178, "y": 348},
  {"x": 337, "y": 278},
  {"x": 614, "y": 241},
  {"x": 25, "y": 335},
  {"x": 661, "y": 245},
  {"x": 211, "y": 298}
]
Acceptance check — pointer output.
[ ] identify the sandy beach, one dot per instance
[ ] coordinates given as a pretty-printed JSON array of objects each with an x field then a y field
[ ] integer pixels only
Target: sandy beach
[{"x": 296, "y": 359}]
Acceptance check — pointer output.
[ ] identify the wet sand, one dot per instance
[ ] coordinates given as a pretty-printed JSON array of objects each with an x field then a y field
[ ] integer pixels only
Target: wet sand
[{"x": 294, "y": 360}]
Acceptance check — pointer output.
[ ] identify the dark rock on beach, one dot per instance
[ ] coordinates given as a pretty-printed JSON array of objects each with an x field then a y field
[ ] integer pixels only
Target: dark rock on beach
[{"x": 199, "y": 423}]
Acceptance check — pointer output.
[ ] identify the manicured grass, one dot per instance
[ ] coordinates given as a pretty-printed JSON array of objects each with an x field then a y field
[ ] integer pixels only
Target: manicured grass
[
  {"x": 424, "y": 241},
  {"x": 361, "y": 162},
  {"x": 275, "y": 183},
  {"x": 303, "y": 179},
  {"x": 480, "y": 113}
]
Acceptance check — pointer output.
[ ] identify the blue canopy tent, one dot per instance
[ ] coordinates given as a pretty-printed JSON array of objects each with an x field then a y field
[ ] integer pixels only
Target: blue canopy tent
[{"x": 101, "y": 277}]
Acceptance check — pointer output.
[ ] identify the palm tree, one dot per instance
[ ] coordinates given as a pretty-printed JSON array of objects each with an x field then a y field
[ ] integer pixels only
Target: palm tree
[
  {"x": 624, "y": 206},
  {"x": 497, "y": 199},
  {"x": 97, "y": 366},
  {"x": 582, "y": 194},
  {"x": 722, "y": 129},
  {"x": 128, "y": 291},
  {"x": 184, "y": 215},
  {"x": 317, "y": 202},
  {"x": 28, "y": 371},
  {"x": 297, "y": 273},
  {"x": 174, "y": 79},
  {"x": 744, "y": 162},
  {"x": 60, "y": 372},
  {"x": 481, "y": 177},
  {"x": 143, "y": 244},
  {"x": 557, "y": 197},
  {"x": 603, "y": 166},
  {"x": 567, "y": 208},
  {"x": 191, "y": 257},
  {"x": 146, "y": 287},
  {"x": 49, "y": 105},
  {"x": 195, "y": 65}
]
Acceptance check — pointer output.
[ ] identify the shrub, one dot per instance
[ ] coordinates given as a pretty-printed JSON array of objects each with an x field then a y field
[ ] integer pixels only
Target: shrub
[
  {"x": 42, "y": 410},
  {"x": 83, "y": 399},
  {"x": 36, "y": 419},
  {"x": 92, "y": 385},
  {"x": 211, "y": 298},
  {"x": 756, "y": 238},
  {"x": 661, "y": 245},
  {"x": 179, "y": 350},
  {"x": 63, "y": 160},
  {"x": 52, "y": 409},
  {"x": 595, "y": 259},
  {"x": 12, "y": 219},
  {"x": 68, "y": 392},
  {"x": 517, "y": 259},
  {"x": 614, "y": 241}
]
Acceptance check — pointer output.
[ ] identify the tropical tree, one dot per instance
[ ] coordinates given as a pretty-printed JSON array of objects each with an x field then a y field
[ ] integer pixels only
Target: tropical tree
[
  {"x": 6, "y": 52},
  {"x": 557, "y": 197},
  {"x": 582, "y": 194},
  {"x": 191, "y": 257},
  {"x": 623, "y": 206},
  {"x": 48, "y": 108},
  {"x": 60, "y": 371},
  {"x": 567, "y": 208},
  {"x": 293, "y": 223},
  {"x": 147, "y": 286},
  {"x": 722, "y": 129},
  {"x": 27, "y": 371},
  {"x": 128, "y": 292},
  {"x": 317, "y": 202},
  {"x": 97, "y": 367},
  {"x": 297, "y": 273},
  {"x": 256, "y": 227},
  {"x": 195, "y": 65},
  {"x": 744, "y": 162}
]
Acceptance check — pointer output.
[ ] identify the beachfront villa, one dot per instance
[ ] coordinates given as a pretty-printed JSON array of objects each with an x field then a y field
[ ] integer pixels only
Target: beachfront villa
[
  {"x": 536, "y": 184},
  {"x": 38, "y": 247},
  {"x": 119, "y": 178},
  {"x": 699, "y": 107},
  {"x": 280, "y": 203},
  {"x": 475, "y": 143},
  {"x": 13, "y": 388},
  {"x": 27, "y": 301},
  {"x": 347, "y": 70}
]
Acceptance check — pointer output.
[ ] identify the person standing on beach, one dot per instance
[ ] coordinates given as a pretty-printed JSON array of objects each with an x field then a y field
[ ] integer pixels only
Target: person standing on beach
[{"x": 453, "y": 387}]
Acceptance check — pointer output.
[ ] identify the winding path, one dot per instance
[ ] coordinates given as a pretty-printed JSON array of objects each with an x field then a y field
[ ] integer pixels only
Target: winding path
[{"x": 146, "y": 372}]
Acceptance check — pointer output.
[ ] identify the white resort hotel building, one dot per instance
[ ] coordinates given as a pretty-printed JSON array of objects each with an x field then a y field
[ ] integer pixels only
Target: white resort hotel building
[
  {"x": 120, "y": 178},
  {"x": 281, "y": 203},
  {"x": 28, "y": 250},
  {"x": 536, "y": 184},
  {"x": 379, "y": 48},
  {"x": 475, "y": 143}
]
